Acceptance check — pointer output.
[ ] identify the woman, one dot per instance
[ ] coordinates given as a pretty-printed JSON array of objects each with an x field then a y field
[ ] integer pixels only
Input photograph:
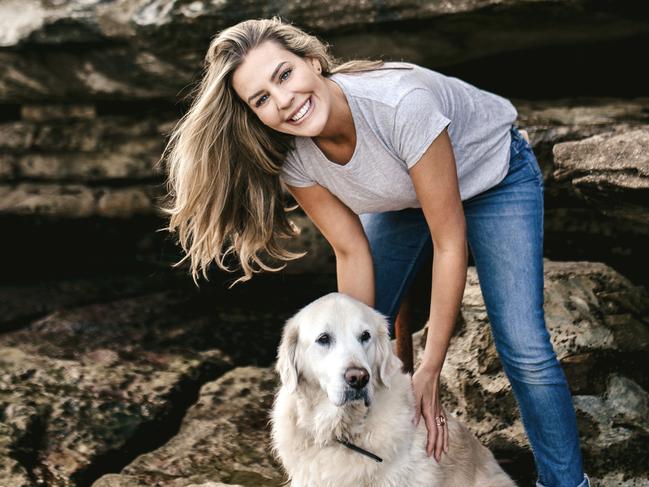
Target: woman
[{"x": 384, "y": 159}]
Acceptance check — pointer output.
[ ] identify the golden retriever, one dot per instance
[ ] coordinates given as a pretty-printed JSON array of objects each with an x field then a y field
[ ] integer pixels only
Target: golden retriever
[{"x": 342, "y": 416}]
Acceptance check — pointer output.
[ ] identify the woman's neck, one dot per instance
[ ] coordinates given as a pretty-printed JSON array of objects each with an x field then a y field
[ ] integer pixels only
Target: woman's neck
[{"x": 339, "y": 129}]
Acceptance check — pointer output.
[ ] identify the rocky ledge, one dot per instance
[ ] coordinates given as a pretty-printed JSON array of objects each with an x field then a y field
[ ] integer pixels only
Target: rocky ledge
[{"x": 136, "y": 390}]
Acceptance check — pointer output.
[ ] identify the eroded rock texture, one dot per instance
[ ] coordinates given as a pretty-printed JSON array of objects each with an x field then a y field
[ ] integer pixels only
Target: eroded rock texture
[
  {"x": 147, "y": 49},
  {"x": 134, "y": 392},
  {"x": 96, "y": 372},
  {"x": 223, "y": 436},
  {"x": 599, "y": 328}
]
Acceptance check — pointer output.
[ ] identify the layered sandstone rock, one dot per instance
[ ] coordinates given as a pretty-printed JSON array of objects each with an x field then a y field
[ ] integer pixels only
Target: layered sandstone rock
[{"x": 143, "y": 49}]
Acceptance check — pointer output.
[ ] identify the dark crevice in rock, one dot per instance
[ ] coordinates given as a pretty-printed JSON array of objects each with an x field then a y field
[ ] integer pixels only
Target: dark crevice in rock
[
  {"x": 518, "y": 463},
  {"x": 82, "y": 247},
  {"x": 159, "y": 107},
  {"x": 561, "y": 71},
  {"x": 556, "y": 50},
  {"x": 126, "y": 182},
  {"x": 26, "y": 450},
  {"x": 585, "y": 379},
  {"x": 9, "y": 112},
  {"x": 150, "y": 436}
]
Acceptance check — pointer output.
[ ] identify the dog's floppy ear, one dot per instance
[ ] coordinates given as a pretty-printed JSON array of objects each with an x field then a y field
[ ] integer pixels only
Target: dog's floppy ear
[
  {"x": 389, "y": 364},
  {"x": 286, "y": 356}
]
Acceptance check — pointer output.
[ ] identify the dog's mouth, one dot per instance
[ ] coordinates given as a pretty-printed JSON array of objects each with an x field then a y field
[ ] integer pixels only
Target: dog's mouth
[{"x": 351, "y": 395}]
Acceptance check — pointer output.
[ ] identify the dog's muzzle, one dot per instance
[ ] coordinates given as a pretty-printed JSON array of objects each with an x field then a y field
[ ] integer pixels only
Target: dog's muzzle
[{"x": 356, "y": 379}]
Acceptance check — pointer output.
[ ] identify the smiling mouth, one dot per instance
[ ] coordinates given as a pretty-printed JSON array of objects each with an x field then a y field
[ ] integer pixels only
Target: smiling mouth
[{"x": 302, "y": 112}]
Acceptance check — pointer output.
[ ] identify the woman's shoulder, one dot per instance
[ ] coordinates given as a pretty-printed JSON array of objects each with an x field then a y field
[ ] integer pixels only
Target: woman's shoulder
[{"x": 386, "y": 85}]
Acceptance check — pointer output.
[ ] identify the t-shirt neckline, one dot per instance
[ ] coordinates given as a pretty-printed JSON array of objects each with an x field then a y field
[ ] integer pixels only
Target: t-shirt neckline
[{"x": 354, "y": 120}]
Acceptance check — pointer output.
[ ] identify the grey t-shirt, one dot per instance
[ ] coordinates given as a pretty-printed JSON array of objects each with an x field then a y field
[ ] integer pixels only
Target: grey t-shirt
[{"x": 397, "y": 114}]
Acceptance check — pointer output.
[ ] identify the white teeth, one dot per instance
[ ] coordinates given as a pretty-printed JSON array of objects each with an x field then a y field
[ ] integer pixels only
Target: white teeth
[{"x": 303, "y": 110}]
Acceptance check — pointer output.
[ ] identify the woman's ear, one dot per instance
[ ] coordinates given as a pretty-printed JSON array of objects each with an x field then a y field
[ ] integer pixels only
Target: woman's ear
[
  {"x": 286, "y": 365},
  {"x": 315, "y": 63}
]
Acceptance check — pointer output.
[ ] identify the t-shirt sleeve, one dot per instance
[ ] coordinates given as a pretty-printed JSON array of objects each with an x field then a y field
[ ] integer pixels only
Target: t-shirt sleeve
[
  {"x": 293, "y": 173},
  {"x": 417, "y": 122}
]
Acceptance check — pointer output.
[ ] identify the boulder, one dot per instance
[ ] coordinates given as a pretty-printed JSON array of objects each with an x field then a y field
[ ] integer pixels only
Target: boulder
[
  {"x": 224, "y": 437},
  {"x": 610, "y": 171},
  {"x": 69, "y": 415},
  {"x": 597, "y": 321},
  {"x": 88, "y": 388}
]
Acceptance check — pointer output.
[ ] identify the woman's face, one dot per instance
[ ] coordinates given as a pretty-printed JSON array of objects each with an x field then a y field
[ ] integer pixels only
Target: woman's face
[{"x": 280, "y": 87}]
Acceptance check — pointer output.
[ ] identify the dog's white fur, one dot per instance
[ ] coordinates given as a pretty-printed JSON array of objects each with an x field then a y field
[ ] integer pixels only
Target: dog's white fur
[{"x": 313, "y": 408}]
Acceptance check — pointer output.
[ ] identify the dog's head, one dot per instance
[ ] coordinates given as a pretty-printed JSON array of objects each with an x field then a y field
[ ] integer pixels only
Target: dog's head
[{"x": 339, "y": 344}]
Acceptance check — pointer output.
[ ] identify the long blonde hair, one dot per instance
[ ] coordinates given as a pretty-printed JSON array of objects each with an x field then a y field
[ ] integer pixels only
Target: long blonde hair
[{"x": 223, "y": 163}]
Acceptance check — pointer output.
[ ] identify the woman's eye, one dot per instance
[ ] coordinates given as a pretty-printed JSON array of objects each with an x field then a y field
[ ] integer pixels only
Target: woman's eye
[
  {"x": 260, "y": 101},
  {"x": 324, "y": 339},
  {"x": 285, "y": 74},
  {"x": 365, "y": 336}
]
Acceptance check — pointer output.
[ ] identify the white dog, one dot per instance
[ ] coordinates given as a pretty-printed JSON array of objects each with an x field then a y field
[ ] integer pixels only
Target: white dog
[{"x": 343, "y": 414}]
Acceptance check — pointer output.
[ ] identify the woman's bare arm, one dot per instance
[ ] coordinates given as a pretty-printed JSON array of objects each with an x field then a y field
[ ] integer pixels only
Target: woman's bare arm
[
  {"x": 344, "y": 232},
  {"x": 435, "y": 179}
]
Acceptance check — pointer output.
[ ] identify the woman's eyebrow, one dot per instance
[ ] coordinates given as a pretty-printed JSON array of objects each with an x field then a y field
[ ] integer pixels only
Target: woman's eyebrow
[{"x": 272, "y": 76}]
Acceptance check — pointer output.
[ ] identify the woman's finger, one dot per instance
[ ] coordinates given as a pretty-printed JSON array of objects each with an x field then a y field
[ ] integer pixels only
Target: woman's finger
[
  {"x": 439, "y": 443},
  {"x": 446, "y": 437},
  {"x": 432, "y": 430}
]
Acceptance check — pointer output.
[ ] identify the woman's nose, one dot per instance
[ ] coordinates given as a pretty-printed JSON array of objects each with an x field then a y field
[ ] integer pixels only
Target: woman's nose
[{"x": 284, "y": 98}]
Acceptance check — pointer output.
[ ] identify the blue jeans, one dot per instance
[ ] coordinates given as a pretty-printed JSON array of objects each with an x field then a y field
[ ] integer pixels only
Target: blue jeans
[{"x": 505, "y": 235}]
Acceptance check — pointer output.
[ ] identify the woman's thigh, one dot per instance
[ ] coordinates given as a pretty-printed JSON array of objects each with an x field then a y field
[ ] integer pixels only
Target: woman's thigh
[{"x": 505, "y": 233}]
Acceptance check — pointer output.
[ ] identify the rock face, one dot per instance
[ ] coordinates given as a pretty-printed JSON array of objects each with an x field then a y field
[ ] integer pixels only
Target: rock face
[
  {"x": 62, "y": 161},
  {"x": 96, "y": 372},
  {"x": 611, "y": 171},
  {"x": 600, "y": 332},
  {"x": 135, "y": 392},
  {"x": 89, "y": 92},
  {"x": 122, "y": 374},
  {"x": 146, "y": 49},
  {"x": 224, "y": 436}
]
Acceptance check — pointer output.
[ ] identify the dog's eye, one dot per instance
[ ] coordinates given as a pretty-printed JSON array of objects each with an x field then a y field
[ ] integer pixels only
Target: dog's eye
[
  {"x": 324, "y": 339},
  {"x": 365, "y": 336}
]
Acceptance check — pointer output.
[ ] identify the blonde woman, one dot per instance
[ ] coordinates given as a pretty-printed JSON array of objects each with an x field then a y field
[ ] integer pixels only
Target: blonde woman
[{"x": 389, "y": 161}]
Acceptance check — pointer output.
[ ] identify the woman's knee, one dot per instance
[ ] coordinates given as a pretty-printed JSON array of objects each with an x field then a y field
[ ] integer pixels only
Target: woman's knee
[{"x": 540, "y": 368}]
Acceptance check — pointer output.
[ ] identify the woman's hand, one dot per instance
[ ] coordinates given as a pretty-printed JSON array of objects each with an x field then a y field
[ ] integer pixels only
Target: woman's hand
[{"x": 425, "y": 385}]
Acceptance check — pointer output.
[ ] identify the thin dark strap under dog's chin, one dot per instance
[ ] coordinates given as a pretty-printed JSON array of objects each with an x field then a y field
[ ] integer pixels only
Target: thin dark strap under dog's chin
[{"x": 360, "y": 450}]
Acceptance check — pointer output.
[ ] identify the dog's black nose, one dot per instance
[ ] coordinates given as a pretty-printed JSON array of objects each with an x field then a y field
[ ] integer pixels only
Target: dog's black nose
[{"x": 357, "y": 377}]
